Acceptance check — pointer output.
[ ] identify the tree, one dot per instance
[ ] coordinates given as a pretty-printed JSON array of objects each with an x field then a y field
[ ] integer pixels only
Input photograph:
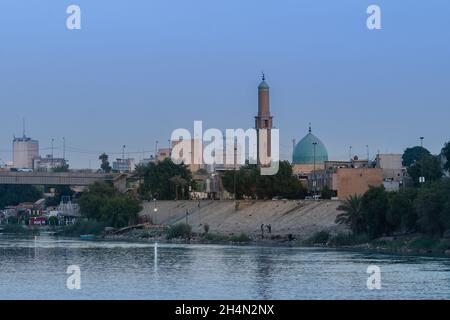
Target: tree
[
  {"x": 12, "y": 195},
  {"x": 104, "y": 163},
  {"x": 352, "y": 215},
  {"x": 429, "y": 165},
  {"x": 433, "y": 208},
  {"x": 250, "y": 183},
  {"x": 327, "y": 193},
  {"x": 63, "y": 168},
  {"x": 402, "y": 214},
  {"x": 164, "y": 180},
  {"x": 413, "y": 155},
  {"x": 446, "y": 154},
  {"x": 103, "y": 203},
  {"x": 375, "y": 206}
]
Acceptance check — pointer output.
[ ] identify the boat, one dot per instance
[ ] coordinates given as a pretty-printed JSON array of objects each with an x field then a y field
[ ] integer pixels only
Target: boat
[{"x": 87, "y": 237}]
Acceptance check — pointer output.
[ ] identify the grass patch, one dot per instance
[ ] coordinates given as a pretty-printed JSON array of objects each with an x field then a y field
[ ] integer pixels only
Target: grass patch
[
  {"x": 348, "y": 240},
  {"x": 320, "y": 237},
  {"x": 83, "y": 227},
  {"x": 180, "y": 230},
  {"x": 240, "y": 238},
  {"x": 424, "y": 242},
  {"x": 214, "y": 237},
  {"x": 18, "y": 229}
]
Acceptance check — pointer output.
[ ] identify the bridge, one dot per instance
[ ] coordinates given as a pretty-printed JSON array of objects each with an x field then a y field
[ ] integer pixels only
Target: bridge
[{"x": 62, "y": 178}]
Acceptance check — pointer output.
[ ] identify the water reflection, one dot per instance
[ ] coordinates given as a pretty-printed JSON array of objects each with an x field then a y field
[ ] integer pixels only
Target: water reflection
[{"x": 35, "y": 268}]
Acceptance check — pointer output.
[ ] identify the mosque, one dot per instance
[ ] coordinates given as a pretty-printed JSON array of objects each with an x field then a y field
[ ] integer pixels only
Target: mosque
[{"x": 309, "y": 154}]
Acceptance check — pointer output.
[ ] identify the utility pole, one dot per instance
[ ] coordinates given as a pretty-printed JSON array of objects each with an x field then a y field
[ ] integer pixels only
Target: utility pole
[
  {"x": 156, "y": 150},
  {"x": 64, "y": 149},
  {"x": 350, "y": 153},
  {"x": 123, "y": 152},
  {"x": 52, "y": 152}
]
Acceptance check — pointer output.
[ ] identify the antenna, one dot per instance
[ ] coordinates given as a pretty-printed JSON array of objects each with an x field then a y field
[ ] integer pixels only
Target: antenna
[{"x": 23, "y": 126}]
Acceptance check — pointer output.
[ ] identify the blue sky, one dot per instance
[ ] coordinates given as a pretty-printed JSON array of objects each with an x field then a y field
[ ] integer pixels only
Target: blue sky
[{"x": 139, "y": 69}]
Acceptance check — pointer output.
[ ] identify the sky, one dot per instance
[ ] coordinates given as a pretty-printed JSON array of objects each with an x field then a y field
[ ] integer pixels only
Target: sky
[{"x": 139, "y": 69}]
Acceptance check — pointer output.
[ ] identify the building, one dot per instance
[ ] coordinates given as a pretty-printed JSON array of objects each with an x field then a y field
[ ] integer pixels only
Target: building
[
  {"x": 355, "y": 181},
  {"x": 264, "y": 121},
  {"x": 124, "y": 165},
  {"x": 25, "y": 150},
  {"x": 163, "y": 154},
  {"x": 309, "y": 155},
  {"x": 48, "y": 163},
  {"x": 392, "y": 170}
]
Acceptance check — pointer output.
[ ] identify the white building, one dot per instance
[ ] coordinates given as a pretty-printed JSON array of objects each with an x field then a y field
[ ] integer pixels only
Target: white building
[
  {"x": 124, "y": 165},
  {"x": 25, "y": 150},
  {"x": 48, "y": 163}
]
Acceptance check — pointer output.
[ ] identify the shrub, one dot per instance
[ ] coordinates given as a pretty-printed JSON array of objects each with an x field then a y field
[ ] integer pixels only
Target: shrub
[
  {"x": 206, "y": 228},
  {"x": 180, "y": 230},
  {"x": 343, "y": 239},
  {"x": 320, "y": 237},
  {"x": 84, "y": 227},
  {"x": 240, "y": 238},
  {"x": 215, "y": 237},
  {"x": 18, "y": 229}
]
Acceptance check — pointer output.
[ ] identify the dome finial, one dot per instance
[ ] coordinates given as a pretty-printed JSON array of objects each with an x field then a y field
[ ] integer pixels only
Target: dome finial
[
  {"x": 310, "y": 127},
  {"x": 263, "y": 76}
]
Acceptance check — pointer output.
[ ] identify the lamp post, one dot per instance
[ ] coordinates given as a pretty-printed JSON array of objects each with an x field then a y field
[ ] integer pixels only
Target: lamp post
[
  {"x": 422, "y": 178},
  {"x": 314, "y": 169},
  {"x": 155, "y": 210},
  {"x": 234, "y": 182}
]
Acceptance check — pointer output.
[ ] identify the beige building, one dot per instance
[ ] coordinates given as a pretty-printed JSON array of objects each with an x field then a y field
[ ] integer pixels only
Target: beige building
[
  {"x": 25, "y": 150},
  {"x": 355, "y": 181}
]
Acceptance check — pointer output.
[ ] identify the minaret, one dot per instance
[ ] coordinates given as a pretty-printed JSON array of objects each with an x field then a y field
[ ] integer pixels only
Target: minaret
[{"x": 263, "y": 121}]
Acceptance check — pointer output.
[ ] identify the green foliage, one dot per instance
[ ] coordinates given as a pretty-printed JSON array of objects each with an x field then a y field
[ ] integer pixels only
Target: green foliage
[
  {"x": 250, "y": 183},
  {"x": 19, "y": 229},
  {"x": 320, "y": 237},
  {"x": 433, "y": 208},
  {"x": 206, "y": 228},
  {"x": 402, "y": 214},
  {"x": 105, "y": 204},
  {"x": 240, "y": 238},
  {"x": 375, "y": 206},
  {"x": 413, "y": 155},
  {"x": 327, "y": 193},
  {"x": 84, "y": 227},
  {"x": 446, "y": 153},
  {"x": 432, "y": 170},
  {"x": 180, "y": 230},
  {"x": 215, "y": 237},
  {"x": 104, "y": 163},
  {"x": 424, "y": 242},
  {"x": 343, "y": 239},
  {"x": 164, "y": 180},
  {"x": 63, "y": 168},
  {"x": 352, "y": 214},
  {"x": 12, "y": 195}
]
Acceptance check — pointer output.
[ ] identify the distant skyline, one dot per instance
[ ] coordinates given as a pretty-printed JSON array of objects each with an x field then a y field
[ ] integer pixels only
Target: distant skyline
[{"x": 138, "y": 70}]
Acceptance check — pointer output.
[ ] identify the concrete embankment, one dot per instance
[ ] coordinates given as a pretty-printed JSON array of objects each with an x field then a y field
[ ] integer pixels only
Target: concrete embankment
[{"x": 301, "y": 219}]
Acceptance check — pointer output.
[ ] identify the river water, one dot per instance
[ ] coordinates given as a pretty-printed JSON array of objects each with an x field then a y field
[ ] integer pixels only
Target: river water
[{"x": 36, "y": 268}]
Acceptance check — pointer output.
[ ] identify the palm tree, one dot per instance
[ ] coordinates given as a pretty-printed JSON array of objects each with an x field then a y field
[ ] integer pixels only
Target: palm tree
[{"x": 352, "y": 214}]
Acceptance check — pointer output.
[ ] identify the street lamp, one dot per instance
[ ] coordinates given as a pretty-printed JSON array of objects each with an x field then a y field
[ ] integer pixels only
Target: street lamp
[{"x": 422, "y": 178}]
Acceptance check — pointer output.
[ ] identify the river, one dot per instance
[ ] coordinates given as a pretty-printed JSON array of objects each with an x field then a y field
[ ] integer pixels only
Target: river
[{"x": 36, "y": 268}]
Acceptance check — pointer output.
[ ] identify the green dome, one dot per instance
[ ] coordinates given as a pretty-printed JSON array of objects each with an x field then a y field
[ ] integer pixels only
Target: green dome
[{"x": 304, "y": 151}]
